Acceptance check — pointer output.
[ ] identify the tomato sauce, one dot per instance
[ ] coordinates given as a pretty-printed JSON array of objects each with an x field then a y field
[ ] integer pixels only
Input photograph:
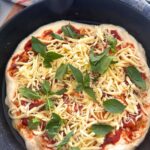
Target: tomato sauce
[
  {"x": 77, "y": 107},
  {"x": 59, "y": 31},
  {"x": 121, "y": 97},
  {"x": 132, "y": 126},
  {"x": 24, "y": 103},
  {"x": 16, "y": 103},
  {"x": 46, "y": 140},
  {"x": 12, "y": 70},
  {"x": 35, "y": 103},
  {"x": 130, "y": 45},
  {"x": 28, "y": 46},
  {"x": 46, "y": 33},
  {"x": 115, "y": 34},
  {"x": 24, "y": 121},
  {"x": 23, "y": 57},
  {"x": 127, "y": 130},
  {"x": 112, "y": 138},
  {"x": 43, "y": 125},
  {"x": 144, "y": 77},
  {"x": 65, "y": 98},
  {"x": 75, "y": 29}
]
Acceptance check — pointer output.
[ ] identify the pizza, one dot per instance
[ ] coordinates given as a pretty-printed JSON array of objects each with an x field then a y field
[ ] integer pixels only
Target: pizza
[{"x": 74, "y": 86}]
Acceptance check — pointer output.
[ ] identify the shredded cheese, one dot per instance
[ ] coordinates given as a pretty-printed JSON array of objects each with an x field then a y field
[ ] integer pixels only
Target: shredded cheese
[{"x": 79, "y": 111}]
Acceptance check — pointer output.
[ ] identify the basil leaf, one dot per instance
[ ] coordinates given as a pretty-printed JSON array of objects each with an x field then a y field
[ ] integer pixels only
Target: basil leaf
[
  {"x": 49, "y": 104},
  {"x": 101, "y": 129},
  {"x": 79, "y": 87},
  {"x": 65, "y": 140},
  {"x": 60, "y": 92},
  {"x": 47, "y": 63},
  {"x": 53, "y": 126},
  {"x": 28, "y": 93},
  {"x": 75, "y": 148},
  {"x": 56, "y": 36},
  {"x": 38, "y": 46},
  {"x": 86, "y": 80},
  {"x": 61, "y": 71},
  {"x": 98, "y": 62},
  {"x": 45, "y": 87},
  {"x": 112, "y": 42},
  {"x": 83, "y": 85},
  {"x": 136, "y": 77},
  {"x": 94, "y": 59},
  {"x": 103, "y": 65},
  {"x": 76, "y": 73},
  {"x": 33, "y": 123},
  {"x": 113, "y": 106},
  {"x": 70, "y": 32},
  {"x": 50, "y": 57},
  {"x": 90, "y": 92}
]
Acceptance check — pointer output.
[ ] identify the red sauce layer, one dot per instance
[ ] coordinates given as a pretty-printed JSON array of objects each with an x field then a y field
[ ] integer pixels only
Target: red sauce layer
[
  {"x": 28, "y": 46},
  {"x": 111, "y": 138},
  {"x": 116, "y": 34},
  {"x": 23, "y": 57}
]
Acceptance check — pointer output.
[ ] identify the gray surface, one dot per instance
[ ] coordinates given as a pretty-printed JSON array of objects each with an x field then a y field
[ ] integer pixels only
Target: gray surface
[
  {"x": 4, "y": 10},
  {"x": 5, "y": 136}
]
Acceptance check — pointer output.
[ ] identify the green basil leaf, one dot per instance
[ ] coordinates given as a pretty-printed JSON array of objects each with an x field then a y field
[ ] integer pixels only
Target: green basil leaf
[
  {"x": 103, "y": 65},
  {"x": 38, "y": 46},
  {"x": 90, "y": 92},
  {"x": 65, "y": 140},
  {"x": 61, "y": 71},
  {"x": 77, "y": 74},
  {"x": 53, "y": 126},
  {"x": 101, "y": 129},
  {"x": 49, "y": 104},
  {"x": 45, "y": 87},
  {"x": 136, "y": 77},
  {"x": 113, "y": 106},
  {"x": 60, "y": 92},
  {"x": 33, "y": 123},
  {"x": 79, "y": 87},
  {"x": 112, "y": 42},
  {"x": 28, "y": 93},
  {"x": 70, "y": 32},
  {"x": 47, "y": 63},
  {"x": 86, "y": 80},
  {"x": 95, "y": 59},
  {"x": 50, "y": 57},
  {"x": 56, "y": 36},
  {"x": 75, "y": 148}
]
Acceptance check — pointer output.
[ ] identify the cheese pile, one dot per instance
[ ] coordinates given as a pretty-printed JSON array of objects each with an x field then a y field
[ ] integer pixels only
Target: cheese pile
[{"x": 79, "y": 111}]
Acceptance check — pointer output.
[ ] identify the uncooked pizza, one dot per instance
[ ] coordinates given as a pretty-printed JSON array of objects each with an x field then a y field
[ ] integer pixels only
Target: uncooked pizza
[{"x": 73, "y": 86}]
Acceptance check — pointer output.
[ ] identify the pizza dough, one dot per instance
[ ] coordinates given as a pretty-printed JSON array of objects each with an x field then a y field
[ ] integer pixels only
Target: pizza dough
[{"x": 77, "y": 109}]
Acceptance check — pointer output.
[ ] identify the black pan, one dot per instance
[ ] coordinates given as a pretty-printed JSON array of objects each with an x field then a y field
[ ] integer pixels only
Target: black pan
[{"x": 86, "y": 11}]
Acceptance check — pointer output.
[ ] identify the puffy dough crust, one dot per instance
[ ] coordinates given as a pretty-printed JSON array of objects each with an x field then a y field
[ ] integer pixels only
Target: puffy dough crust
[{"x": 35, "y": 142}]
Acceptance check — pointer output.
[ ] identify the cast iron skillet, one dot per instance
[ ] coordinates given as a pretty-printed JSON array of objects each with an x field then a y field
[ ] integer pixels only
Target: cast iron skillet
[{"x": 86, "y": 11}]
